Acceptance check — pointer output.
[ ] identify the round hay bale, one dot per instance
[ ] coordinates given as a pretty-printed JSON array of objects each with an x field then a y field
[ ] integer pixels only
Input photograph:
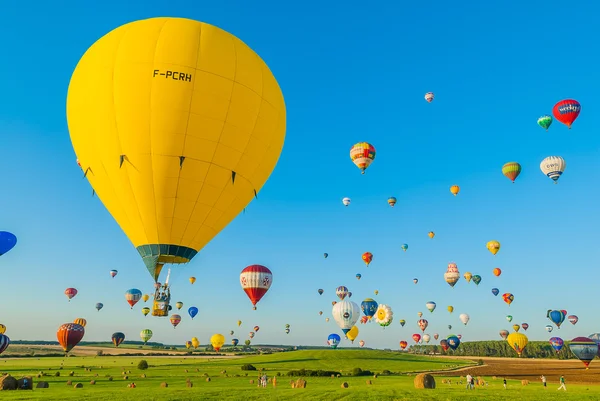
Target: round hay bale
[
  {"x": 333, "y": 376},
  {"x": 38, "y": 376},
  {"x": 69, "y": 383},
  {"x": 300, "y": 383},
  {"x": 186, "y": 371},
  {"x": 524, "y": 382},
  {"x": 42, "y": 385},
  {"x": 375, "y": 376},
  {"x": 344, "y": 385},
  {"x": 189, "y": 384},
  {"x": 223, "y": 372},
  {"x": 92, "y": 382},
  {"x": 251, "y": 381},
  {"x": 125, "y": 377},
  {"x": 57, "y": 374},
  {"x": 143, "y": 375},
  {"x": 369, "y": 382},
  {"x": 110, "y": 378},
  {"x": 78, "y": 385},
  {"x": 208, "y": 379},
  {"x": 164, "y": 385},
  {"x": 7, "y": 382},
  {"x": 424, "y": 380},
  {"x": 71, "y": 373}
]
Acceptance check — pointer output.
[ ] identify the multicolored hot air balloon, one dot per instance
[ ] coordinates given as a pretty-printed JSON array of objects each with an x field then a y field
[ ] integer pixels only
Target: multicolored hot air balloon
[
  {"x": 404, "y": 247},
  {"x": 384, "y": 315},
  {"x": 369, "y": 307},
  {"x": 566, "y": 111},
  {"x": 325, "y": 255},
  {"x": 358, "y": 276},
  {"x": 361, "y": 343},
  {"x": 573, "y": 319},
  {"x": 444, "y": 344},
  {"x": 584, "y": 348},
  {"x": 549, "y": 328},
  {"x": 175, "y": 320},
  {"x": 362, "y": 155},
  {"x": 256, "y": 329},
  {"x": 234, "y": 342},
  {"x": 391, "y": 201},
  {"x": 516, "y": 327},
  {"x": 192, "y": 311},
  {"x": 557, "y": 343},
  {"x": 454, "y": 189},
  {"x": 138, "y": 158},
  {"x": 517, "y": 341},
  {"x": 556, "y": 316},
  {"x": 453, "y": 341},
  {"x": 117, "y": 338},
  {"x": 415, "y": 280},
  {"x": 423, "y": 323},
  {"x": 452, "y": 275},
  {"x": 341, "y": 292},
  {"x": 69, "y": 335},
  {"x": 511, "y": 170},
  {"x": 545, "y": 122},
  {"x": 346, "y": 201},
  {"x": 525, "y": 326},
  {"x": 132, "y": 296},
  {"x": 508, "y": 298},
  {"x": 80, "y": 321},
  {"x": 504, "y": 334},
  {"x": 403, "y": 344},
  {"x": 99, "y": 306},
  {"x": 70, "y": 293},
  {"x": 367, "y": 257},
  {"x": 430, "y": 306},
  {"x": 4, "y": 343},
  {"x": 509, "y": 318},
  {"x": 145, "y": 310},
  {"x": 468, "y": 276},
  {"x": 553, "y": 167},
  {"x": 217, "y": 341},
  {"x": 256, "y": 281},
  {"x": 113, "y": 273},
  {"x": 146, "y": 335},
  {"x": 429, "y": 97},
  {"x": 493, "y": 247},
  {"x": 402, "y": 322},
  {"x": 179, "y": 305},
  {"x": 477, "y": 279},
  {"x": 333, "y": 340},
  {"x": 7, "y": 242}
]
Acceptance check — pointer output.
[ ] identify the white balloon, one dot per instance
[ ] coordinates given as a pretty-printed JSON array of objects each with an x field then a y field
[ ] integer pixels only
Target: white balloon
[
  {"x": 346, "y": 201},
  {"x": 553, "y": 167},
  {"x": 426, "y": 338},
  {"x": 345, "y": 313},
  {"x": 464, "y": 318}
]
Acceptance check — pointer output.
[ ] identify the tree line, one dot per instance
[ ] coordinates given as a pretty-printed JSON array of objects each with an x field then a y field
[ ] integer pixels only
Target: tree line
[{"x": 534, "y": 349}]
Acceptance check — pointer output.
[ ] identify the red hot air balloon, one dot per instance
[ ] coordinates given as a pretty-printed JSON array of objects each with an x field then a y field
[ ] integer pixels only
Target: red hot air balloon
[
  {"x": 367, "y": 257},
  {"x": 566, "y": 111},
  {"x": 175, "y": 319},
  {"x": 69, "y": 335},
  {"x": 70, "y": 293},
  {"x": 403, "y": 344},
  {"x": 256, "y": 281},
  {"x": 416, "y": 337}
]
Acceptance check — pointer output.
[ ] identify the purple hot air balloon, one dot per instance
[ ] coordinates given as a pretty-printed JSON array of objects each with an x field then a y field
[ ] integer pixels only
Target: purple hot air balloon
[{"x": 556, "y": 343}]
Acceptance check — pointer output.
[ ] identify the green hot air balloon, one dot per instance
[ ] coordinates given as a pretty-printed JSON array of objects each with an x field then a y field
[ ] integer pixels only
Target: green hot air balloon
[
  {"x": 476, "y": 279},
  {"x": 545, "y": 122},
  {"x": 146, "y": 335}
]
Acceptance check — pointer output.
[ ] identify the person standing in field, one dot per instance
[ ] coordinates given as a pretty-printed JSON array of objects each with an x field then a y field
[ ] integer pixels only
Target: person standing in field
[
  {"x": 562, "y": 383},
  {"x": 469, "y": 378},
  {"x": 543, "y": 380},
  {"x": 504, "y": 381}
]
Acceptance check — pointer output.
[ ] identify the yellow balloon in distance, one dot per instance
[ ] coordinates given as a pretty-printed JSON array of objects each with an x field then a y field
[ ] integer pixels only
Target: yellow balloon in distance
[
  {"x": 217, "y": 341},
  {"x": 177, "y": 125}
]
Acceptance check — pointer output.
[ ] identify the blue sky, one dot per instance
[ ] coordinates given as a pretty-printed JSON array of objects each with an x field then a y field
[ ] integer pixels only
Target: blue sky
[{"x": 349, "y": 73}]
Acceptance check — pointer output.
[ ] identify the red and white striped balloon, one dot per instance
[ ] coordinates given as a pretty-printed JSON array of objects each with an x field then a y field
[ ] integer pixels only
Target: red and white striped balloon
[{"x": 256, "y": 281}]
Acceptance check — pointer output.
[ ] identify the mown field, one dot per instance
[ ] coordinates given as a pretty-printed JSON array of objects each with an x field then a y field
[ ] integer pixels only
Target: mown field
[{"x": 229, "y": 382}]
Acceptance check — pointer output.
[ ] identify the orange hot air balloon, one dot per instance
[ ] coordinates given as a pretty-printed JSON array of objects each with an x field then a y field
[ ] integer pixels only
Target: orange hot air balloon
[
  {"x": 362, "y": 155},
  {"x": 69, "y": 335},
  {"x": 455, "y": 189},
  {"x": 192, "y": 280},
  {"x": 431, "y": 234},
  {"x": 367, "y": 257},
  {"x": 403, "y": 344},
  {"x": 508, "y": 298},
  {"x": 497, "y": 272}
]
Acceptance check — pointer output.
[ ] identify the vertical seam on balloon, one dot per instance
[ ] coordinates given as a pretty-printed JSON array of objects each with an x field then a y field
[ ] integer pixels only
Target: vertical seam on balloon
[
  {"x": 152, "y": 152},
  {"x": 116, "y": 126},
  {"x": 211, "y": 161},
  {"x": 187, "y": 124}
]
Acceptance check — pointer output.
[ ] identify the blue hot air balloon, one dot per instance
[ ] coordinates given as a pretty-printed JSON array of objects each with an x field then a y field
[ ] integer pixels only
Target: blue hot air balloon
[
  {"x": 584, "y": 348},
  {"x": 556, "y": 316},
  {"x": 7, "y": 242},
  {"x": 333, "y": 340},
  {"x": 453, "y": 341},
  {"x": 556, "y": 343},
  {"x": 476, "y": 279},
  {"x": 495, "y": 291},
  {"x": 99, "y": 306},
  {"x": 193, "y": 311},
  {"x": 234, "y": 341},
  {"x": 358, "y": 276},
  {"x": 369, "y": 307}
]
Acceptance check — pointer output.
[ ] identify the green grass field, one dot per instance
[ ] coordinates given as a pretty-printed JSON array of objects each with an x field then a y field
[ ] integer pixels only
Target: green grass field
[{"x": 230, "y": 386}]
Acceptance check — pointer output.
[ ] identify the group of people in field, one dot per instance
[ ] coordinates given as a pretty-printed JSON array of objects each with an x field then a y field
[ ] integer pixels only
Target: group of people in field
[{"x": 471, "y": 382}]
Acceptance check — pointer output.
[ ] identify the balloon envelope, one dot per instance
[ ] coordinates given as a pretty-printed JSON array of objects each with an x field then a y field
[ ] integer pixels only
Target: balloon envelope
[{"x": 7, "y": 242}]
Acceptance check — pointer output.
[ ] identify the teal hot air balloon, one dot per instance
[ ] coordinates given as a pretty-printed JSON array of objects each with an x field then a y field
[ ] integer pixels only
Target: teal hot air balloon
[
  {"x": 99, "y": 306},
  {"x": 404, "y": 247},
  {"x": 325, "y": 255},
  {"x": 545, "y": 122},
  {"x": 358, "y": 276},
  {"x": 369, "y": 307},
  {"x": 495, "y": 291},
  {"x": 584, "y": 348},
  {"x": 476, "y": 279},
  {"x": 556, "y": 316}
]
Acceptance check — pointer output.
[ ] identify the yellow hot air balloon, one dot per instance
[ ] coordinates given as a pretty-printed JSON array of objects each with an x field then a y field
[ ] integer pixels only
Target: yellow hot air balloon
[
  {"x": 2, "y": 329},
  {"x": 352, "y": 334},
  {"x": 145, "y": 311},
  {"x": 217, "y": 341},
  {"x": 450, "y": 308},
  {"x": 376, "y": 292},
  {"x": 195, "y": 342},
  {"x": 518, "y": 342},
  {"x": 188, "y": 344},
  {"x": 192, "y": 280},
  {"x": 431, "y": 234},
  {"x": 493, "y": 247},
  {"x": 468, "y": 276},
  {"x": 177, "y": 125},
  {"x": 455, "y": 189},
  {"x": 145, "y": 297},
  {"x": 516, "y": 327},
  {"x": 80, "y": 321},
  {"x": 239, "y": 323}
]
